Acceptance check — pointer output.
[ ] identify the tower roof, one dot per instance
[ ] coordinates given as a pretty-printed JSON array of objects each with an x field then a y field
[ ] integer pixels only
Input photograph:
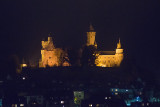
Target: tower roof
[
  {"x": 91, "y": 28},
  {"x": 119, "y": 44},
  {"x": 106, "y": 52}
]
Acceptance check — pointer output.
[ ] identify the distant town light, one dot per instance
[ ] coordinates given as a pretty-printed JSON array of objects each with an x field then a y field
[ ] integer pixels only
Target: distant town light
[
  {"x": 138, "y": 98},
  {"x": 140, "y": 93},
  {"x": 21, "y": 105},
  {"x": 62, "y": 102},
  {"x": 116, "y": 93},
  {"x": 23, "y": 78},
  {"x": 24, "y": 65},
  {"x": 90, "y": 105},
  {"x": 14, "y": 105}
]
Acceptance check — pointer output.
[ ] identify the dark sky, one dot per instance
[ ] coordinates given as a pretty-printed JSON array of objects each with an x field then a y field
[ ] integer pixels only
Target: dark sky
[{"x": 25, "y": 23}]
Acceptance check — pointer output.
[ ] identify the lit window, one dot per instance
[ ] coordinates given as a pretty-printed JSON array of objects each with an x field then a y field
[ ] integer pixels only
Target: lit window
[
  {"x": 34, "y": 103},
  {"x": 105, "y": 98},
  {"x": 24, "y": 65},
  {"x": 90, "y": 105},
  {"x": 62, "y": 102},
  {"x": 116, "y": 89},
  {"x": 109, "y": 97},
  {"x": 116, "y": 93},
  {"x": 21, "y": 105},
  {"x": 147, "y": 104},
  {"x": 23, "y": 78}
]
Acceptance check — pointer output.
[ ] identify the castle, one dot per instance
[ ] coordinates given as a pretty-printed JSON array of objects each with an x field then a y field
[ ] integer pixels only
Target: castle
[
  {"x": 105, "y": 58},
  {"x": 51, "y": 56}
]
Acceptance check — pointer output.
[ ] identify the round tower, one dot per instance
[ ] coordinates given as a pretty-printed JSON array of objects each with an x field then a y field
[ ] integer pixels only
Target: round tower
[
  {"x": 119, "y": 54},
  {"x": 91, "y": 36}
]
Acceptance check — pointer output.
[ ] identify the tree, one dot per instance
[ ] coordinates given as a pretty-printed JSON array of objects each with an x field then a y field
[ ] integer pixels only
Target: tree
[{"x": 88, "y": 56}]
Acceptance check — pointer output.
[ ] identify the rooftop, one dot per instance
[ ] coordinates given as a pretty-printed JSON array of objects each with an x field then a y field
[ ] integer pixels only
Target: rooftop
[{"x": 107, "y": 52}]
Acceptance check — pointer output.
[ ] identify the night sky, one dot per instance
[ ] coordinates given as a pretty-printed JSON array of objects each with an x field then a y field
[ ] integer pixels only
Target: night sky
[{"x": 25, "y": 23}]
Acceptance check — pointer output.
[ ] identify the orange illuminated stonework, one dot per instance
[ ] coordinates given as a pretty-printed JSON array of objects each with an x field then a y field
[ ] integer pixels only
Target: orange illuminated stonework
[
  {"x": 105, "y": 58},
  {"x": 51, "y": 56},
  {"x": 110, "y": 58}
]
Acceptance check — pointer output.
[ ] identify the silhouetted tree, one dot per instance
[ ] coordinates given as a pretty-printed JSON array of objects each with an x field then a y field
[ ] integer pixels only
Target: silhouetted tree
[
  {"x": 88, "y": 56},
  {"x": 72, "y": 55},
  {"x": 13, "y": 65}
]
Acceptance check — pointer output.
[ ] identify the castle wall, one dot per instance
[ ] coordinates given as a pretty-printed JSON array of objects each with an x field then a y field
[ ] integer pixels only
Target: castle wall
[
  {"x": 109, "y": 60},
  {"x": 106, "y": 60},
  {"x": 49, "y": 58}
]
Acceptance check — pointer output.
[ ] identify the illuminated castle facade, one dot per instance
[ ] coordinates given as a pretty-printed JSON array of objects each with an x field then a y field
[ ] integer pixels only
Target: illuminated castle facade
[
  {"x": 51, "y": 56},
  {"x": 105, "y": 58}
]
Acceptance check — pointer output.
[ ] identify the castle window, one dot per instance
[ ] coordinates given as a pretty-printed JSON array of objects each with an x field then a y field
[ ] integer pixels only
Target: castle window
[{"x": 49, "y": 57}]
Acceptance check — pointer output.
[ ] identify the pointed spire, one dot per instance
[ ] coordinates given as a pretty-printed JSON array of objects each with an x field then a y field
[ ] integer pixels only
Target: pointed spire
[
  {"x": 91, "y": 28},
  {"x": 119, "y": 44}
]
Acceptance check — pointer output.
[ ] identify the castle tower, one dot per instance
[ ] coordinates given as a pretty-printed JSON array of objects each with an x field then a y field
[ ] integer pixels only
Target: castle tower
[
  {"x": 48, "y": 54},
  {"x": 91, "y": 37},
  {"x": 119, "y": 54}
]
